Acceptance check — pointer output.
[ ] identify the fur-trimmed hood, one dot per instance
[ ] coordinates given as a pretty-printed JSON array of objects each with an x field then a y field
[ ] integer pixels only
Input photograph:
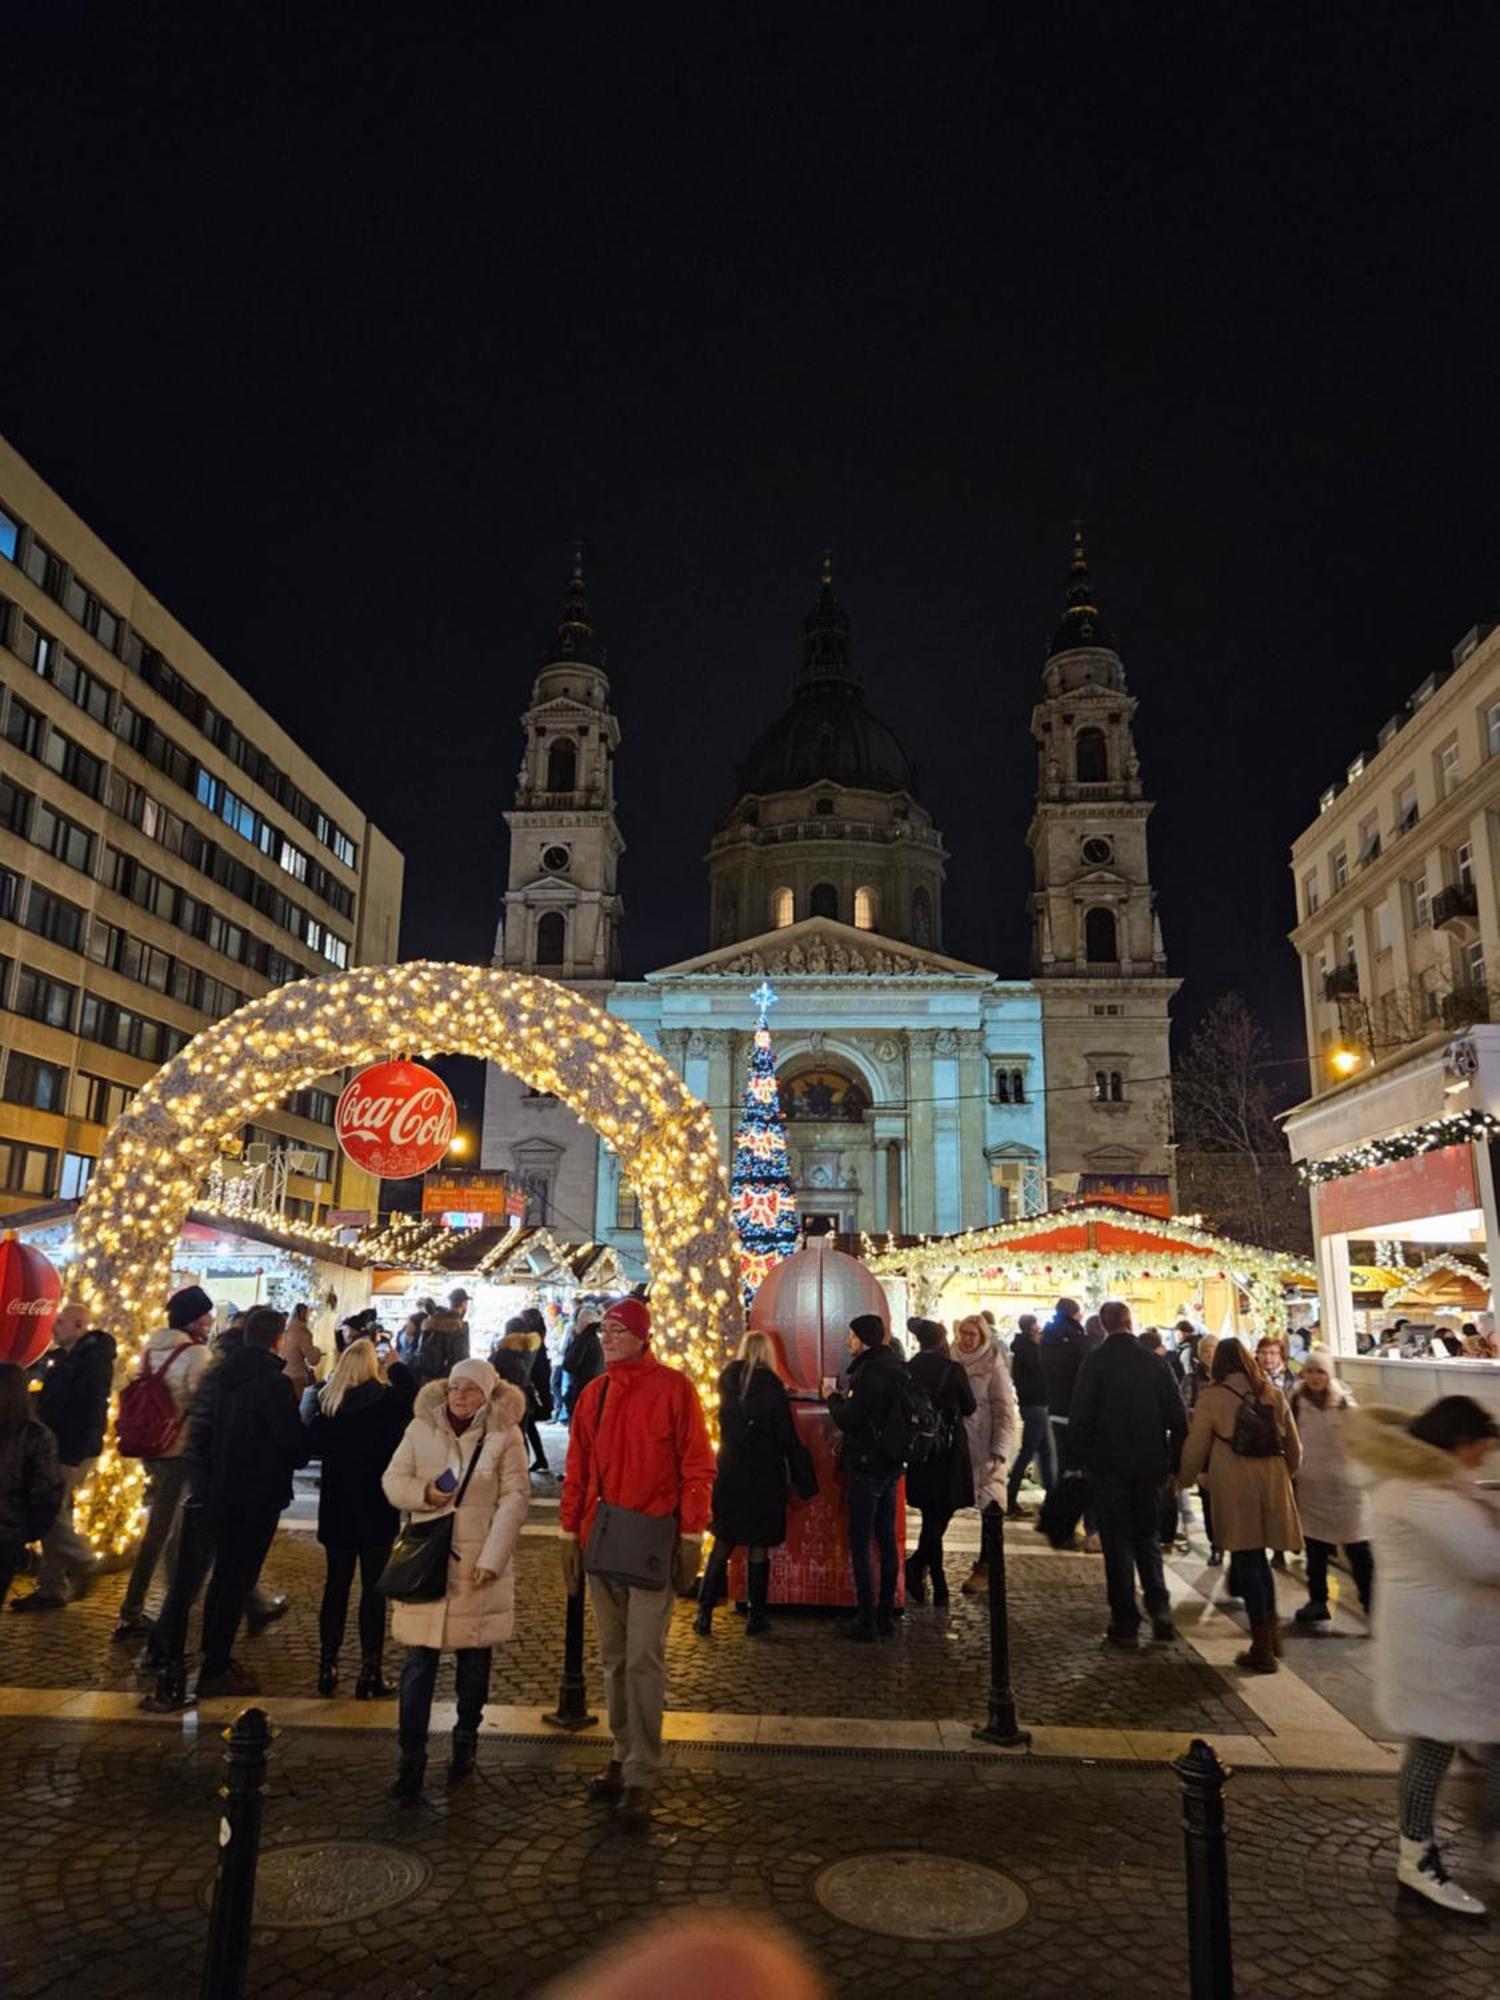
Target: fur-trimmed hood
[
  {"x": 505, "y": 1408},
  {"x": 1378, "y": 1440}
]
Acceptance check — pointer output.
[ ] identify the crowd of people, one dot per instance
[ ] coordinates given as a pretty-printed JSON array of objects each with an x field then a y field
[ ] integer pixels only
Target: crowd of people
[{"x": 427, "y": 1454}]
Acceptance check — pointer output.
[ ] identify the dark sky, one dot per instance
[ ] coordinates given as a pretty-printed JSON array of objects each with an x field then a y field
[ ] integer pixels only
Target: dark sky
[{"x": 341, "y": 323}]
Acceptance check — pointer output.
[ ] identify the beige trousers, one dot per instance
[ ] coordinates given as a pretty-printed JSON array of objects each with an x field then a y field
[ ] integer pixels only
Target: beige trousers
[{"x": 632, "y": 1627}]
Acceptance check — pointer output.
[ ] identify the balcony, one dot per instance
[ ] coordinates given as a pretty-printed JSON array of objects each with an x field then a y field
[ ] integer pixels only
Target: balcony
[
  {"x": 1456, "y": 909},
  {"x": 1465, "y": 1005},
  {"x": 1342, "y": 983}
]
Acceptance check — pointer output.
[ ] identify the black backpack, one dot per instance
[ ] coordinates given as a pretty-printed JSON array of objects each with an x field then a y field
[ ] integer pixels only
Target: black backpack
[
  {"x": 1255, "y": 1434},
  {"x": 911, "y": 1433}
]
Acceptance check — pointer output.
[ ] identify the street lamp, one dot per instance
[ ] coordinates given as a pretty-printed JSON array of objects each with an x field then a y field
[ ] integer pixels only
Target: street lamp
[
  {"x": 1345, "y": 1061},
  {"x": 458, "y": 1145}
]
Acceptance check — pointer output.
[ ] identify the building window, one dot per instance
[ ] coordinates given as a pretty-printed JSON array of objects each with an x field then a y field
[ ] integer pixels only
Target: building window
[
  {"x": 1351, "y": 957},
  {"x": 23, "y": 726},
  {"x": 627, "y": 1207},
  {"x": 551, "y": 937},
  {"x": 1340, "y": 869},
  {"x": 1109, "y": 1086},
  {"x": 1406, "y": 807},
  {"x": 1010, "y": 1086},
  {"x": 562, "y": 765},
  {"x": 1310, "y": 894},
  {"x": 1449, "y": 768},
  {"x": 824, "y": 900},
  {"x": 1463, "y": 865},
  {"x": 783, "y": 908},
  {"x": 1492, "y": 728},
  {"x": 1099, "y": 942},
  {"x": 77, "y": 1172},
  {"x": 823, "y": 808},
  {"x": 1474, "y": 965},
  {"x": 1091, "y": 757},
  {"x": 26, "y": 1169},
  {"x": 8, "y": 533},
  {"x": 864, "y": 909},
  {"x": 53, "y": 918},
  {"x": 42, "y": 1085},
  {"x": 1421, "y": 902},
  {"x": 63, "y": 838},
  {"x": 15, "y": 807},
  {"x": 98, "y": 1099},
  {"x": 1369, "y": 841},
  {"x": 44, "y": 999}
]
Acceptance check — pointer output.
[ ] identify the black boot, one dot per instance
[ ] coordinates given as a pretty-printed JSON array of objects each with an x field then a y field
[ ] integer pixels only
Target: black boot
[
  {"x": 171, "y": 1690},
  {"x": 328, "y": 1674},
  {"x": 758, "y": 1624},
  {"x": 461, "y": 1757},
  {"x": 409, "y": 1776},
  {"x": 916, "y": 1589},
  {"x": 939, "y": 1586},
  {"x": 709, "y": 1586},
  {"x": 372, "y": 1684}
]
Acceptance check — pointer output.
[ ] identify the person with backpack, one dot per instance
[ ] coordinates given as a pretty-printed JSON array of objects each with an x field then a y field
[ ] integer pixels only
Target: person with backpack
[
  {"x": 1243, "y": 1436},
  {"x": 942, "y": 1481},
  {"x": 1065, "y": 1341},
  {"x": 73, "y": 1402},
  {"x": 152, "y": 1426},
  {"x": 30, "y": 1478},
  {"x": 878, "y": 1419},
  {"x": 445, "y": 1342}
]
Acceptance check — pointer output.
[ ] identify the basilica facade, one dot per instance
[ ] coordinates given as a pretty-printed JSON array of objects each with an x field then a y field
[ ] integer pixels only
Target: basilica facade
[{"x": 921, "y": 1093}]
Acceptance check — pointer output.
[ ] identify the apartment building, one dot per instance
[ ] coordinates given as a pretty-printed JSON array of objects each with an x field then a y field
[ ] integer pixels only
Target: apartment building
[
  {"x": 1398, "y": 898},
  {"x": 167, "y": 852}
]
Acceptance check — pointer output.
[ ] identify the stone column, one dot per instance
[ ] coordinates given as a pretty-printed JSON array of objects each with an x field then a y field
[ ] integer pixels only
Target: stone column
[
  {"x": 974, "y": 1186},
  {"x": 919, "y": 1212}
]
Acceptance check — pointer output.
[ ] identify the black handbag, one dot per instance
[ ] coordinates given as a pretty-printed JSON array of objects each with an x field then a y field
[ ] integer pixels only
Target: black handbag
[
  {"x": 416, "y": 1570},
  {"x": 624, "y": 1546}
]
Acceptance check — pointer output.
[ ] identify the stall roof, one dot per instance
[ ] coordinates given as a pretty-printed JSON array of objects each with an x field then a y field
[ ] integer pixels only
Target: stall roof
[
  {"x": 1089, "y": 1228},
  {"x": 259, "y": 1228}
]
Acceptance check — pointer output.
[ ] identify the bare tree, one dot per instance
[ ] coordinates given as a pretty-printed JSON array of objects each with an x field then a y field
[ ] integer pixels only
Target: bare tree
[{"x": 1232, "y": 1161}]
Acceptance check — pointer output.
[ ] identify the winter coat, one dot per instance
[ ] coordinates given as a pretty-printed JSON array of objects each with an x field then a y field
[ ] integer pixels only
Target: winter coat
[
  {"x": 245, "y": 1438},
  {"x": 1064, "y": 1344},
  {"x": 514, "y": 1366},
  {"x": 1127, "y": 1417},
  {"x": 651, "y": 1450},
  {"x": 945, "y": 1482},
  {"x": 583, "y": 1359},
  {"x": 185, "y": 1376},
  {"x": 756, "y": 1440},
  {"x": 1026, "y": 1371},
  {"x": 355, "y": 1446},
  {"x": 1436, "y": 1630},
  {"x": 1332, "y": 1504},
  {"x": 541, "y": 1380},
  {"x": 860, "y": 1414},
  {"x": 994, "y": 1425},
  {"x": 300, "y": 1355},
  {"x": 30, "y": 1483},
  {"x": 1252, "y": 1497},
  {"x": 445, "y": 1342},
  {"x": 486, "y": 1527},
  {"x": 74, "y": 1397}
]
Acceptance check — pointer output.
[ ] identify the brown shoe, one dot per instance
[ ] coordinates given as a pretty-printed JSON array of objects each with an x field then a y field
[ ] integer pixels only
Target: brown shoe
[
  {"x": 609, "y": 1786},
  {"x": 635, "y": 1810},
  {"x": 977, "y": 1581},
  {"x": 1260, "y": 1657},
  {"x": 1274, "y": 1629}
]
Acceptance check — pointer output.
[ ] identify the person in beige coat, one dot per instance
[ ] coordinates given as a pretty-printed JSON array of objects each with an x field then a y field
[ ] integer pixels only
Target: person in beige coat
[
  {"x": 300, "y": 1353},
  {"x": 1243, "y": 1437},
  {"x": 470, "y": 1419}
]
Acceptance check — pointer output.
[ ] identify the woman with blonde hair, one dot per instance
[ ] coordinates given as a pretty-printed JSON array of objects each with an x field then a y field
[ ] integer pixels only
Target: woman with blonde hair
[
  {"x": 758, "y": 1450},
  {"x": 992, "y": 1426},
  {"x": 355, "y": 1421}
]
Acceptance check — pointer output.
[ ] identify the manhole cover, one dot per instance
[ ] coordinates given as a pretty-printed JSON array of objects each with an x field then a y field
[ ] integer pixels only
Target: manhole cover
[
  {"x": 332, "y": 1882},
  {"x": 929, "y": 1896}
]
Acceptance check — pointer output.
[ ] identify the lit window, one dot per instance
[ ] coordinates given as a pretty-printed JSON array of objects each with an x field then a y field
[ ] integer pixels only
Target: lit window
[
  {"x": 1450, "y": 768},
  {"x": 1421, "y": 902},
  {"x": 864, "y": 910},
  {"x": 627, "y": 1208},
  {"x": 7, "y": 538},
  {"x": 77, "y": 1169},
  {"x": 1340, "y": 869},
  {"x": 1463, "y": 865},
  {"x": 783, "y": 908},
  {"x": 1309, "y": 895},
  {"x": 1474, "y": 964}
]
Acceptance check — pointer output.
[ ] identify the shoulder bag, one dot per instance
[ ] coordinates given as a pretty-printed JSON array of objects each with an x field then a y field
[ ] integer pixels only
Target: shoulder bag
[
  {"x": 416, "y": 1571},
  {"x": 624, "y": 1546}
]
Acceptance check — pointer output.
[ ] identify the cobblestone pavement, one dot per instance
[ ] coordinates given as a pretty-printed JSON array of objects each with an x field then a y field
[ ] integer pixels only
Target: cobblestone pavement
[
  {"x": 111, "y": 1841},
  {"x": 936, "y": 1667}
]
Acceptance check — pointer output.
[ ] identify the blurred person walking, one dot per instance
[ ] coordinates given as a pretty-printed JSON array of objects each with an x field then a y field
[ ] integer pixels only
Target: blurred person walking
[
  {"x": 1031, "y": 1399},
  {"x": 73, "y": 1402},
  {"x": 30, "y": 1479}
]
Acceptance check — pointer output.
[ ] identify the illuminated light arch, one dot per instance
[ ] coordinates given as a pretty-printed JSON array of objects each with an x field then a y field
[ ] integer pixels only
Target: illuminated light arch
[{"x": 160, "y": 1148}]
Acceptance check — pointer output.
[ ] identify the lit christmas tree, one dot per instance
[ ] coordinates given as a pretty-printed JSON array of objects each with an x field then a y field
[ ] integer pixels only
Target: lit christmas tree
[{"x": 760, "y": 1187}]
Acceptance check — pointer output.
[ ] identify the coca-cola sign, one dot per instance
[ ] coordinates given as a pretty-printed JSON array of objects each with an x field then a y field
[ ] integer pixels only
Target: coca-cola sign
[
  {"x": 29, "y": 1293},
  {"x": 396, "y": 1120}
]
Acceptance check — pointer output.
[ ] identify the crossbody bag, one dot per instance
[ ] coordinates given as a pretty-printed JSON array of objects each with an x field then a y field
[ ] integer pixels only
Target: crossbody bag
[
  {"x": 416, "y": 1571},
  {"x": 625, "y": 1546}
]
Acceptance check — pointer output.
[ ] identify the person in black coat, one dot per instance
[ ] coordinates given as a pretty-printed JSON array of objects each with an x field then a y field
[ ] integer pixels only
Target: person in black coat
[
  {"x": 1031, "y": 1399},
  {"x": 1064, "y": 1345},
  {"x": 943, "y": 1483},
  {"x": 1127, "y": 1428},
  {"x": 355, "y": 1420},
  {"x": 758, "y": 1451},
  {"x": 539, "y": 1389},
  {"x": 73, "y": 1402},
  {"x": 514, "y": 1360},
  {"x": 871, "y": 1474},
  {"x": 30, "y": 1481},
  {"x": 583, "y": 1359}
]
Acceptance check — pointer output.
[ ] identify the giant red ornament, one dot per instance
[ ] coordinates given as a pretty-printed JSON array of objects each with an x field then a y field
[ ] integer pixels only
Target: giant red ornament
[
  {"x": 395, "y": 1120},
  {"x": 29, "y": 1293}
]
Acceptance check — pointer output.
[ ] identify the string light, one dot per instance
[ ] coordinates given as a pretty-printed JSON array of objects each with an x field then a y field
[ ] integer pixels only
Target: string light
[
  {"x": 1455, "y": 1130},
  {"x": 159, "y": 1149}
]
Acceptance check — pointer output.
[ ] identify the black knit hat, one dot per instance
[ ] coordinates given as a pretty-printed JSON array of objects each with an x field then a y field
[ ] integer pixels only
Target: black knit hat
[
  {"x": 190, "y": 1304},
  {"x": 869, "y": 1328}
]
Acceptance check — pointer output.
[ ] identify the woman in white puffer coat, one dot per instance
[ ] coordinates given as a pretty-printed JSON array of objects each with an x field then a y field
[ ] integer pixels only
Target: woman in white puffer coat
[
  {"x": 1437, "y": 1615},
  {"x": 994, "y": 1426},
  {"x": 1333, "y": 1506},
  {"x": 469, "y": 1420}
]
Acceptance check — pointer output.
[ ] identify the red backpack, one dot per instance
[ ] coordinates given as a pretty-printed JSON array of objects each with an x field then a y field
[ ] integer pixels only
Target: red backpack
[{"x": 148, "y": 1419}]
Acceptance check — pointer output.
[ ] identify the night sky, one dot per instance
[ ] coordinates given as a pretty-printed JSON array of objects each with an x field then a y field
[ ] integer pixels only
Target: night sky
[{"x": 341, "y": 324}]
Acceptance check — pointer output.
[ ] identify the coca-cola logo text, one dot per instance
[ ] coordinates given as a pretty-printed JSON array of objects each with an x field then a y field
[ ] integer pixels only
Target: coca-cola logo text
[
  {"x": 396, "y": 1120},
  {"x": 34, "y": 1307}
]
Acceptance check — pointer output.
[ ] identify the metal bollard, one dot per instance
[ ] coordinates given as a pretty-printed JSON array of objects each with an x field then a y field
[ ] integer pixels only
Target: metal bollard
[
  {"x": 227, "y": 1958},
  {"x": 1210, "y": 1956},
  {"x": 572, "y": 1711},
  {"x": 1002, "y": 1726}
]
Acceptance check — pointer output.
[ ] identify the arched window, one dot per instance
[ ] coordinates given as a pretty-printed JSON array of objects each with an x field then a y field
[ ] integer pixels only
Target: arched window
[
  {"x": 1091, "y": 757},
  {"x": 562, "y": 765},
  {"x": 1101, "y": 1086},
  {"x": 783, "y": 909},
  {"x": 1099, "y": 937},
  {"x": 864, "y": 909},
  {"x": 1002, "y": 1086},
  {"x": 551, "y": 937},
  {"x": 1116, "y": 1087},
  {"x": 921, "y": 917},
  {"x": 1018, "y": 1086},
  {"x": 824, "y": 900}
]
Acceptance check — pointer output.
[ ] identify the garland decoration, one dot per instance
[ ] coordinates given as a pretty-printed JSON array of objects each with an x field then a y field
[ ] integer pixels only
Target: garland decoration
[{"x": 1455, "y": 1130}]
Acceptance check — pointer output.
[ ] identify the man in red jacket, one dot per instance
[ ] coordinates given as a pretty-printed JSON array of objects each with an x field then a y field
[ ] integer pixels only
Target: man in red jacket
[{"x": 638, "y": 1440}]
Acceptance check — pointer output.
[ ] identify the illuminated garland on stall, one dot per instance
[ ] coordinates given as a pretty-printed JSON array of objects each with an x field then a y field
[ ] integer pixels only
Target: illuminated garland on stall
[
  {"x": 1437, "y": 1132},
  {"x": 554, "y": 1040}
]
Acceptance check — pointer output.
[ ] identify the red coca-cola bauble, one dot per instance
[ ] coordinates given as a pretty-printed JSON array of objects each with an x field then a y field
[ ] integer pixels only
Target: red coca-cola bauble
[
  {"x": 809, "y": 1299},
  {"x": 396, "y": 1119},
  {"x": 29, "y": 1293}
]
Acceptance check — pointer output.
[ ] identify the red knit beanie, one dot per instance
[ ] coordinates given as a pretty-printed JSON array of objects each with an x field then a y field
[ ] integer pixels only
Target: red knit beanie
[{"x": 633, "y": 1314}]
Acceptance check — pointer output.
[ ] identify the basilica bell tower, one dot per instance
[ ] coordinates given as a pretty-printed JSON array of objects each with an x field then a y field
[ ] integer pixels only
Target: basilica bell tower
[{"x": 1096, "y": 946}]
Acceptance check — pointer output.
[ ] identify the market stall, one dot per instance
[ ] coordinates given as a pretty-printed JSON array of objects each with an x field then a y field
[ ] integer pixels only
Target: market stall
[{"x": 505, "y": 1270}]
